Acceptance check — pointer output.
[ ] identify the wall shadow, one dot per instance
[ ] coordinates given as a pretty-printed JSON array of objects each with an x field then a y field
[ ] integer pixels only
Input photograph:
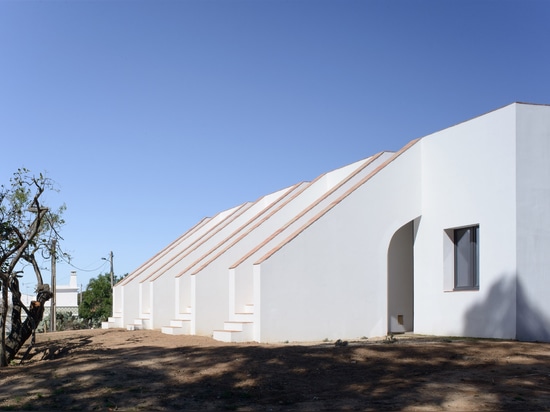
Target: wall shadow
[{"x": 506, "y": 313}]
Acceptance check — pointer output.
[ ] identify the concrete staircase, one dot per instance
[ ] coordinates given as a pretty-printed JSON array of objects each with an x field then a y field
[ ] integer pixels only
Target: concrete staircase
[
  {"x": 139, "y": 324},
  {"x": 179, "y": 326},
  {"x": 113, "y": 322},
  {"x": 239, "y": 329}
]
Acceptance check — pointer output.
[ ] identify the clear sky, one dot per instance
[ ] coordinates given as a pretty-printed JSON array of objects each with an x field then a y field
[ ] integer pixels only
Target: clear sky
[{"x": 151, "y": 115}]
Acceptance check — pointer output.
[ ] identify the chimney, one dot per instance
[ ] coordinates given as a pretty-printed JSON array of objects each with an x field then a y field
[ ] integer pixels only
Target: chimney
[{"x": 72, "y": 282}]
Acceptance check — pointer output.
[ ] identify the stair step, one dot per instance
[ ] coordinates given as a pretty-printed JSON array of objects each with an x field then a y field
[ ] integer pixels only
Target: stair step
[
  {"x": 184, "y": 316},
  {"x": 177, "y": 327},
  {"x": 178, "y": 323},
  {"x": 237, "y": 326},
  {"x": 173, "y": 330},
  {"x": 139, "y": 324},
  {"x": 231, "y": 336},
  {"x": 140, "y": 321},
  {"x": 235, "y": 331},
  {"x": 248, "y": 308},
  {"x": 242, "y": 317},
  {"x": 113, "y": 322}
]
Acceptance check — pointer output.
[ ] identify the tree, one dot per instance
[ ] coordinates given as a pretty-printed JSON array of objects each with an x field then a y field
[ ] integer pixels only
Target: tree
[
  {"x": 97, "y": 300},
  {"x": 27, "y": 228}
]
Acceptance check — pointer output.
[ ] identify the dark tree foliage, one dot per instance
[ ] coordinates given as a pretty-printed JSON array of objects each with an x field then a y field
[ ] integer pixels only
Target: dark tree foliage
[
  {"x": 97, "y": 300},
  {"x": 28, "y": 229}
]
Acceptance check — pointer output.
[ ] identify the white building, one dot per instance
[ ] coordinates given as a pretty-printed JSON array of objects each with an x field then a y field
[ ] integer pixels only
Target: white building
[
  {"x": 448, "y": 236},
  {"x": 66, "y": 296}
]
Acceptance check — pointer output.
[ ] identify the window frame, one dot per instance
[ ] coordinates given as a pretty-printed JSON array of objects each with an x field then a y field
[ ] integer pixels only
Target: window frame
[{"x": 468, "y": 249}]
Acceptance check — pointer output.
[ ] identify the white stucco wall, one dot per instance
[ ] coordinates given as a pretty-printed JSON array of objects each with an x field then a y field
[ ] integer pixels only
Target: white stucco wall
[
  {"x": 468, "y": 178},
  {"x": 66, "y": 295},
  {"x": 331, "y": 280},
  {"x": 214, "y": 304},
  {"x": 161, "y": 287},
  {"x": 126, "y": 293},
  {"x": 297, "y": 214},
  {"x": 533, "y": 222}
]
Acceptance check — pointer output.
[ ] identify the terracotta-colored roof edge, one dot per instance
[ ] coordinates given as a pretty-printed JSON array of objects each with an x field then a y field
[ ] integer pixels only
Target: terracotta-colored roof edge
[
  {"x": 337, "y": 201},
  {"x": 197, "y": 243},
  {"x": 212, "y": 233},
  {"x": 163, "y": 252},
  {"x": 350, "y": 176},
  {"x": 294, "y": 192}
]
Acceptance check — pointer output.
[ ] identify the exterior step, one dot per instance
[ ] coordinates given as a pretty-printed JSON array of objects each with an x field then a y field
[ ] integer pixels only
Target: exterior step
[
  {"x": 112, "y": 323},
  {"x": 179, "y": 323},
  {"x": 177, "y": 327},
  {"x": 235, "y": 332},
  {"x": 242, "y": 317},
  {"x": 138, "y": 324},
  {"x": 248, "y": 308}
]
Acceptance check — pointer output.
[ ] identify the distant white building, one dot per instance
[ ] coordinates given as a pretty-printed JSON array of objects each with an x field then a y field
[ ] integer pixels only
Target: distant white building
[
  {"x": 448, "y": 236},
  {"x": 66, "y": 296}
]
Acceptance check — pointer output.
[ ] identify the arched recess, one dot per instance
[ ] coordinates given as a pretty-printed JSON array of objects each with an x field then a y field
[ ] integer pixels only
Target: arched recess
[{"x": 401, "y": 279}]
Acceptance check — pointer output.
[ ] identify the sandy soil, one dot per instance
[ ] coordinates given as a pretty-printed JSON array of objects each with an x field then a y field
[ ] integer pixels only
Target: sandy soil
[{"x": 146, "y": 370}]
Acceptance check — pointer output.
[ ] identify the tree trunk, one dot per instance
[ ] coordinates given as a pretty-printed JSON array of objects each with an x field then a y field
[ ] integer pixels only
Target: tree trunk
[
  {"x": 21, "y": 331},
  {"x": 3, "y": 319}
]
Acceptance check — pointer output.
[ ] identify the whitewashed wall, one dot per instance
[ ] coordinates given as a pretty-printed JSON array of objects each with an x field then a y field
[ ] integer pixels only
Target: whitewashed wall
[
  {"x": 215, "y": 298},
  {"x": 331, "y": 280},
  {"x": 339, "y": 278},
  {"x": 468, "y": 178},
  {"x": 298, "y": 214},
  {"x": 533, "y": 222},
  {"x": 162, "y": 288},
  {"x": 126, "y": 294},
  {"x": 67, "y": 295}
]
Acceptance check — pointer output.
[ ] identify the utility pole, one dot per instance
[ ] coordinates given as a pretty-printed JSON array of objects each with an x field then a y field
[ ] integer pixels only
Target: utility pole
[
  {"x": 110, "y": 259},
  {"x": 53, "y": 312},
  {"x": 112, "y": 272}
]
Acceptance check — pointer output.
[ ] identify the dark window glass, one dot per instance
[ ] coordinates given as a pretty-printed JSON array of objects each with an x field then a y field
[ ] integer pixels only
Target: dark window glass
[{"x": 466, "y": 258}]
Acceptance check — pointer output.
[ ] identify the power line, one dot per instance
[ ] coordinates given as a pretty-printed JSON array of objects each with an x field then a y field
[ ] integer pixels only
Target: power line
[{"x": 80, "y": 269}]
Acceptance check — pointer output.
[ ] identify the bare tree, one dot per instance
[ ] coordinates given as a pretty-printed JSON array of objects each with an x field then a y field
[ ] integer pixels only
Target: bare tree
[{"x": 27, "y": 228}]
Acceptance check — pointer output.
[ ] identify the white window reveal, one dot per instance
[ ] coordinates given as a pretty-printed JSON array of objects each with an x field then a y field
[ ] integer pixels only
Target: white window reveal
[{"x": 461, "y": 258}]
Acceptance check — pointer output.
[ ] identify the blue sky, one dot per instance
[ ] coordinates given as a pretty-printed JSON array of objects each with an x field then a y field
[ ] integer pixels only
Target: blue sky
[{"x": 151, "y": 115}]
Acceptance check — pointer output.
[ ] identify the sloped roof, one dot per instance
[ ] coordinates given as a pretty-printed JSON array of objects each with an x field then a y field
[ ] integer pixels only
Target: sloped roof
[{"x": 336, "y": 201}]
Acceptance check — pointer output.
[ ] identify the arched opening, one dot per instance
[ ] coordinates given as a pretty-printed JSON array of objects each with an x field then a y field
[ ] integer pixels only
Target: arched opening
[{"x": 401, "y": 279}]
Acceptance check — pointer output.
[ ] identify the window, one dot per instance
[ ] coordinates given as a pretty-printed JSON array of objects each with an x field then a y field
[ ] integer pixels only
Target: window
[{"x": 466, "y": 258}]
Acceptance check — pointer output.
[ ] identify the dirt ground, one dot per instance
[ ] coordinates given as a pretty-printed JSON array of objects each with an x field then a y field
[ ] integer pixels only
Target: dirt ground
[{"x": 146, "y": 370}]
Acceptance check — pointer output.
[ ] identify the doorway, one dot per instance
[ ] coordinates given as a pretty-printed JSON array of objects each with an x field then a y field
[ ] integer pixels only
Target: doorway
[{"x": 401, "y": 279}]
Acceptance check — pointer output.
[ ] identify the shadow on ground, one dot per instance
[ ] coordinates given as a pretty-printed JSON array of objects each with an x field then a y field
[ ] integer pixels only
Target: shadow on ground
[{"x": 79, "y": 373}]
